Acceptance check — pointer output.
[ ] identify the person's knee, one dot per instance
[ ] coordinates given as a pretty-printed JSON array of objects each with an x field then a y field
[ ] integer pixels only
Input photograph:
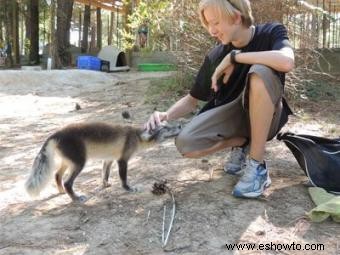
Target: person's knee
[
  {"x": 257, "y": 74},
  {"x": 264, "y": 81},
  {"x": 262, "y": 71},
  {"x": 260, "y": 79},
  {"x": 182, "y": 142}
]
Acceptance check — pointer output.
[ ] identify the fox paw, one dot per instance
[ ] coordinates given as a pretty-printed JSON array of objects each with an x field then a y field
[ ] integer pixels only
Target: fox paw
[
  {"x": 106, "y": 185},
  {"x": 130, "y": 189}
]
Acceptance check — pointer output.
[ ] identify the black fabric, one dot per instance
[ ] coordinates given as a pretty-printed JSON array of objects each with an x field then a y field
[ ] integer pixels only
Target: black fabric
[
  {"x": 271, "y": 36},
  {"x": 318, "y": 157},
  {"x": 286, "y": 111}
]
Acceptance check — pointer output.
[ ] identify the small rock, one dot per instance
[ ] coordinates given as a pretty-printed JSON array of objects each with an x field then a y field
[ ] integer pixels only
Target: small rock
[
  {"x": 126, "y": 115},
  {"x": 77, "y": 107},
  {"x": 260, "y": 233}
]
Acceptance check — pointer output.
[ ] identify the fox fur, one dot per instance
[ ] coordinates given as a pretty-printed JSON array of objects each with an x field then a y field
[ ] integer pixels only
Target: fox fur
[{"x": 69, "y": 148}]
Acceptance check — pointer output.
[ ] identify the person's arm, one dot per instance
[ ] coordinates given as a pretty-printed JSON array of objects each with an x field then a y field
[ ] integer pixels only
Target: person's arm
[
  {"x": 280, "y": 60},
  {"x": 179, "y": 109}
]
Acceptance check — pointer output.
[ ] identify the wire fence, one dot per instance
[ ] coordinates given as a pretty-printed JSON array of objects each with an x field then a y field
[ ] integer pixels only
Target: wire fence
[{"x": 311, "y": 24}]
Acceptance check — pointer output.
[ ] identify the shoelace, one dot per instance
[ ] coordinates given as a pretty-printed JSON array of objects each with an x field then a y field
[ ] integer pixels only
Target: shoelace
[
  {"x": 236, "y": 154},
  {"x": 249, "y": 172},
  {"x": 248, "y": 175}
]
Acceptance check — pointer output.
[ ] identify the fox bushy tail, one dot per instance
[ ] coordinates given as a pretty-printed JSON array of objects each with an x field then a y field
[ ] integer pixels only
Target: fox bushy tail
[{"x": 42, "y": 169}]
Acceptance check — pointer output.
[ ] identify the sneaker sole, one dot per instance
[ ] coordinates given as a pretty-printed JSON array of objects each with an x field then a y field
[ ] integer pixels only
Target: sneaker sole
[
  {"x": 253, "y": 194},
  {"x": 237, "y": 173},
  {"x": 233, "y": 171}
]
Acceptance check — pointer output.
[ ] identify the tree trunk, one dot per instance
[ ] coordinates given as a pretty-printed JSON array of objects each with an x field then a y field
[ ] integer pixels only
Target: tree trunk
[
  {"x": 27, "y": 14},
  {"x": 86, "y": 25},
  {"x": 110, "y": 33},
  {"x": 51, "y": 40},
  {"x": 64, "y": 14},
  {"x": 34, "y": 31},
  {"x": 93, "y": 38},
  {"x": 8, "y": 31},
  {"x": 15, "y": 31},
  {"x": 80, "y": 25},
  {"x": 99, "y": 29},
  {"x": 12, "y": 32},
  {"x": 1, "y": 24}
]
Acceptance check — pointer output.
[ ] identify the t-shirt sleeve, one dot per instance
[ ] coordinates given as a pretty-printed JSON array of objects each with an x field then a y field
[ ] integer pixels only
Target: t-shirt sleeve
[
  {"x": 201, "y": 87},
  {"x": 280, "y": 37}
]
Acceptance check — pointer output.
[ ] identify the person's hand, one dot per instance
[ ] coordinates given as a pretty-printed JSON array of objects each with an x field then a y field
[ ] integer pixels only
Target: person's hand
[
  {"x": 155, "y": 120},
  {"x": 226, "y": 68}
]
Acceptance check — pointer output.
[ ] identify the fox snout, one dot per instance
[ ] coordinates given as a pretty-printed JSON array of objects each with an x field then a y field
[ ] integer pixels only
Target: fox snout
[{"x": 161, "y": 133}]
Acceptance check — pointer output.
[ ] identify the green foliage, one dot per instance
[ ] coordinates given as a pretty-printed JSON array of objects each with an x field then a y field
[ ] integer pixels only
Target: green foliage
[
  {"x": 319, "y": 89},
  {"x": 27, "y": 46},
  {"x": 44, "y": 20},
  {"x": 153, "y": 13}
]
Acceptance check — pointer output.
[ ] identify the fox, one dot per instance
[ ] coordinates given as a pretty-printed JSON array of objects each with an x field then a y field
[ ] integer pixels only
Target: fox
[{"x": 68, "y": 150}]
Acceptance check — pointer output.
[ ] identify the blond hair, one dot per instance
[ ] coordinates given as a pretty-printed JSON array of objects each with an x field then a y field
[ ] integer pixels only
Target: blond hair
[{"x": 227, "y": 8}]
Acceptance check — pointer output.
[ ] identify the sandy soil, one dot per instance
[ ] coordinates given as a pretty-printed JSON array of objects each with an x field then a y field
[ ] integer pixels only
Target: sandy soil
[{"x": 112, "y": 221}]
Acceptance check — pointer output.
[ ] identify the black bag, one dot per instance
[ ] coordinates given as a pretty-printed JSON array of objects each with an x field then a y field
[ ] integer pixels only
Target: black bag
[{"x": 319, "y": 157}]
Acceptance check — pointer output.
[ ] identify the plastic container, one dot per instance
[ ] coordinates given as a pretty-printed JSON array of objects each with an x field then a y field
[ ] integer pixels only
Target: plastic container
[
  {"x": 154, "y": 67},
  {"x": 88, "y": 62}
]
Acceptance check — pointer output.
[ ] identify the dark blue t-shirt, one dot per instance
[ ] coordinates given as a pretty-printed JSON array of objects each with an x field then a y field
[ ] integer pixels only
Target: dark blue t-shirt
[{"x": 271, "y": 36}]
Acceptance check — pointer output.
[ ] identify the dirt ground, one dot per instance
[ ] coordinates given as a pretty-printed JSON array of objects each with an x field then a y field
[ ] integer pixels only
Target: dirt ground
[{"x": 112, "y": 221}]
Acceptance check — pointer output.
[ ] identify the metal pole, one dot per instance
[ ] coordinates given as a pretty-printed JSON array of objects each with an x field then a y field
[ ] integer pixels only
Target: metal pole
[
  {"x": 329, "y": 32},
  {"x": 317, "y": 25},
  {"x": 338, "y": 30},
  {"x": 324, "y": 30},
  {"x": 334, "y": 21}
]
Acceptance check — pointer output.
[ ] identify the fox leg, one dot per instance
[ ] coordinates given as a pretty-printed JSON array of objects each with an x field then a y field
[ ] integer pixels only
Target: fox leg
[
  {"x": 106, "y": 173},
  {"x": 75, "y": 170},
  {"x": 59, "y": 178},
  {"x": 122, "y": 167}
]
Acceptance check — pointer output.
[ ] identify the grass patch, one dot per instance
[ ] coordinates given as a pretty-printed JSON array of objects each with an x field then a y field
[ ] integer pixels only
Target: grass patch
[
  {"x": 316, "y": 88},
  {"x": 321, "y": 90},
  {"x": 162, "y": 93}
]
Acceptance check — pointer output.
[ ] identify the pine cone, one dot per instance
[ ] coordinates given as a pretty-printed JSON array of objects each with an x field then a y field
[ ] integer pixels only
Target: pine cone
[{"x": 159, "y": 188}]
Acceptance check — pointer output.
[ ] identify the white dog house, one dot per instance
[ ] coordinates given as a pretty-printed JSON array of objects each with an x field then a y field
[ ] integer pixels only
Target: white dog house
[{"x": 116, "y": 58}]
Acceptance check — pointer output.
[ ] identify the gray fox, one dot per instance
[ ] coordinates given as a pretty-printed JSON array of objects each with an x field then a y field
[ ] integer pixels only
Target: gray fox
[{"x": 70, "y": 148}]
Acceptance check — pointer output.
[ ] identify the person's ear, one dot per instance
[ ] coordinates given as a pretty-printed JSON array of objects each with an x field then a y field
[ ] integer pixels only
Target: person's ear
[{"x": 237, "y": 19}]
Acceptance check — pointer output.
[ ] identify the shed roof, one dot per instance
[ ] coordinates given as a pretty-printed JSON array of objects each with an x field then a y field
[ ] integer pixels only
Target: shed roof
[{"x": 110, "y": 5}]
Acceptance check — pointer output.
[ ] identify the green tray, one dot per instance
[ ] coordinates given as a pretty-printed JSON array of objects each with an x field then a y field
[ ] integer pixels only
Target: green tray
[{"x": 152, "y": 67}]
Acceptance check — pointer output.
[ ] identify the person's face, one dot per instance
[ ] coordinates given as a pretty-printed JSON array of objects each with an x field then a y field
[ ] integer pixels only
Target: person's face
[{"x": 219, "y": 27}]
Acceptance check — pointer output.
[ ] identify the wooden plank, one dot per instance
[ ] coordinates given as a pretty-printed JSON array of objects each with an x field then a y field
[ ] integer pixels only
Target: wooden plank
[
  {"x": 329, "y": 5},
  {"x": 106, "y": 5}
]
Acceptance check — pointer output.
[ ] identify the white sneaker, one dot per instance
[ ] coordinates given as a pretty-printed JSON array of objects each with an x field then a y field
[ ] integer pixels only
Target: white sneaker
[
  {"x": 237, "y": 160},
  {"x": 254, "y": 181}
]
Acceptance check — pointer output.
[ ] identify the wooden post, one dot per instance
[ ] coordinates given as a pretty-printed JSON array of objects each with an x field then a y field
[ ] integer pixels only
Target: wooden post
[
  {"x": 324, "y": 26},
  {"x": 317, "y": 25},
  {"x": 117, "y": 25},
  {"x": 99, "y": 29},
  {"x": 52, "y": 29},
  {"x": 334, "y": 21},
  {"x": 86, "y": 25},
  {"x": 15, "y": 32},
  {"x": 80, "y": 26},
  {"x": 329, "y": 25},
  {"x": 34, "y": 35},
  {"x": 110, "y": 34}
]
